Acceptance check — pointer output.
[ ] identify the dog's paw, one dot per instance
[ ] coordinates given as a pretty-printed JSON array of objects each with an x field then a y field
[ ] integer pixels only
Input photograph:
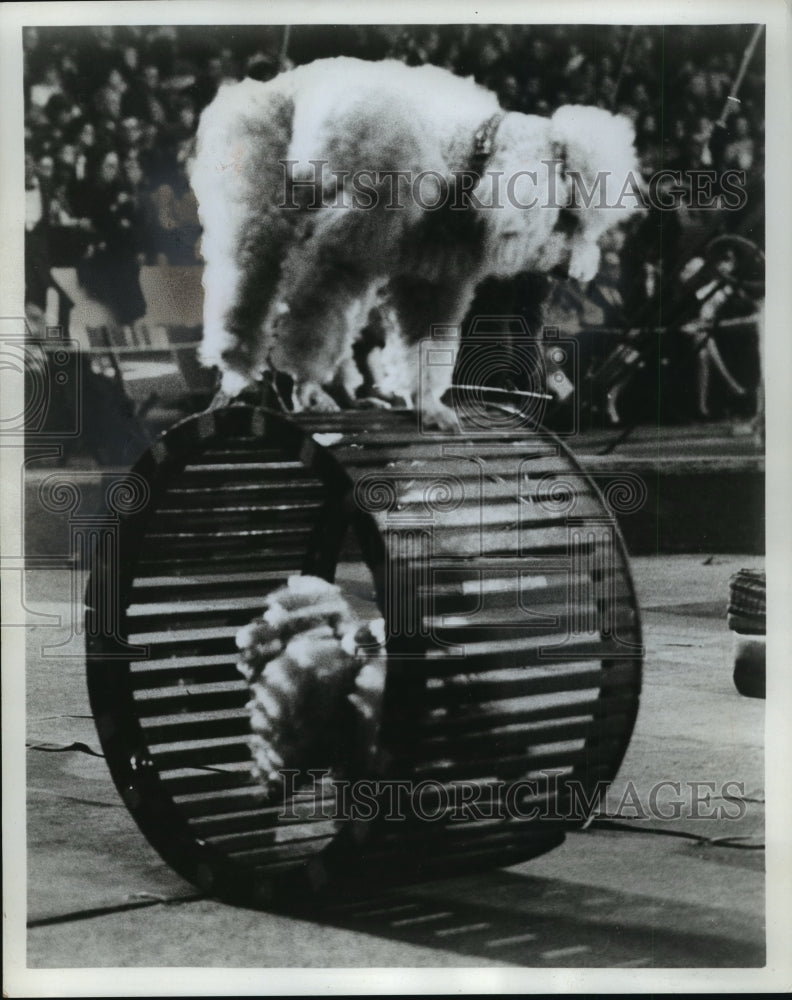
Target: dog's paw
[
  {"x": 436, "y": 416},
  {"x": 233, "y": 383},
  {"x": 374, "y": 398},
  {"x": 371, "y": 403},
  {"x": 220, "y": 401},
  {"x": 310, "y": 396},
  {"x": 250, "y": 396},
  {"x": 584, "y": 262}
]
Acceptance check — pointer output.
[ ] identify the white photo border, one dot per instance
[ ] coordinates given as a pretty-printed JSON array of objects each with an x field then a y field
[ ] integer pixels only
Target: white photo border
[{"x": 777, "y": 975}]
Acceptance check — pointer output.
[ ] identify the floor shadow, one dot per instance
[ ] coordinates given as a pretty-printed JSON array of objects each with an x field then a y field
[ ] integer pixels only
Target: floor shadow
[{"x": 545, "y": 923}]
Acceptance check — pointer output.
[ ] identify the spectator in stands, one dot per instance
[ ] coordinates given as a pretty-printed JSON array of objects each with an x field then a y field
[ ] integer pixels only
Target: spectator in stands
[
  {"x": 143, "y": 99},
  {"x": 175, "y": 213},
  {"x": 61, "y": 111},
  {"x": 45, "y": 89},
  {"x": 128, "y": 136},
  {"x": 739, "y": 153},
  {"x": 161, "y": 44},
  {"x": 697, "y": 153},
  {"x": 69, "y": 233},
  {"x": 37, "y": 262},
  {"x": 208, "y": 83},
  {"x": 111, "y": 269},
  {"x": 130, "y": 63},
  {"x": 86, "y": 137},
  {"x": 107, "y": 109}
]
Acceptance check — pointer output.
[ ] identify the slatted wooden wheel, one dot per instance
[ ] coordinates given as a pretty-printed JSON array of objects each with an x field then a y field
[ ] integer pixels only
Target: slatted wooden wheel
[{"x": 513, "y": 653}]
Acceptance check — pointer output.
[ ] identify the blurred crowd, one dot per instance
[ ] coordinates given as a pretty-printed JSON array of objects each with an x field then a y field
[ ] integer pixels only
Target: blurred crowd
[
  {"x": 111, "y": 112},
  {"x": 111, "y": 115}
]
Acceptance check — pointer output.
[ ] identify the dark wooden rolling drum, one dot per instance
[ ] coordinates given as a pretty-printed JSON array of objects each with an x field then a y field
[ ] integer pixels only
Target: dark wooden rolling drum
[{"x": 514, "y": 645}]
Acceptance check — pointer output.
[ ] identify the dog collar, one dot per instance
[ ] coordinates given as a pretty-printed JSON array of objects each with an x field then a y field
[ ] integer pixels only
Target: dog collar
[{"x": 483, "y": 142}]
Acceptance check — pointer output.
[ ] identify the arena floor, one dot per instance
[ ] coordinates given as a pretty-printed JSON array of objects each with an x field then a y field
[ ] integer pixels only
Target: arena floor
[{"x": 626, "y": 892}]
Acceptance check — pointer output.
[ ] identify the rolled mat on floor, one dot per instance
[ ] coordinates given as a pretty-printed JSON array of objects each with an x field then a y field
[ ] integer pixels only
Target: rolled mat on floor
[{"x": 746, "y": 617}]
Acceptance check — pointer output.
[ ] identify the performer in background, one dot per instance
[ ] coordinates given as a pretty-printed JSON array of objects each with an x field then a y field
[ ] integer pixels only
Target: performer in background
[{"x": 110, "y": 271}]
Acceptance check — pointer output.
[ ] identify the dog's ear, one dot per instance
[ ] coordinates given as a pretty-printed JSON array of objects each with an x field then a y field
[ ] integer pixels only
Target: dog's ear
[
  {"x": 562, "y": 132},
  {"x": 595, "y": 144},
  {"x": 591, "y": 134}
]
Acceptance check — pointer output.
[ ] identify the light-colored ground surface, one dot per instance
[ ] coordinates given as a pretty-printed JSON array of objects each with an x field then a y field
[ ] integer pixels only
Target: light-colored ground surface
[{"x": 624, "y": 893}]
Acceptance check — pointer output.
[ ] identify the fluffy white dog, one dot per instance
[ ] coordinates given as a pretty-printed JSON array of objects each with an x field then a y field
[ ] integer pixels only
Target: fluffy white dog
[{"x": 323, "y": 184}]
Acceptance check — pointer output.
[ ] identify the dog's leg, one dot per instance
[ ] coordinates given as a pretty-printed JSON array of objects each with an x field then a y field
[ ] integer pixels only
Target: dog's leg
[
  {"x": 421, "y": 307},
  {"x": 241, "y": 136},
  {"x": 314, "y": 338},
  {"x": 249, "y": 298}
]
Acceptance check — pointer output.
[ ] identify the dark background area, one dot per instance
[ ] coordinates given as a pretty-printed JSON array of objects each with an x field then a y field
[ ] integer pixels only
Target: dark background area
[{"x": 110, "y": 121}]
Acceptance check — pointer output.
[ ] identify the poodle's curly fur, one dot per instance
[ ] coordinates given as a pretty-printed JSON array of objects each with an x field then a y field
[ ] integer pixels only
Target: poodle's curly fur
[{"x": 290, "y": 271}]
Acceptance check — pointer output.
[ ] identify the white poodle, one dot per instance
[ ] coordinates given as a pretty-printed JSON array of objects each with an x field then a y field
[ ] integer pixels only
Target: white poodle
[{"x": 320, "y": 186}]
